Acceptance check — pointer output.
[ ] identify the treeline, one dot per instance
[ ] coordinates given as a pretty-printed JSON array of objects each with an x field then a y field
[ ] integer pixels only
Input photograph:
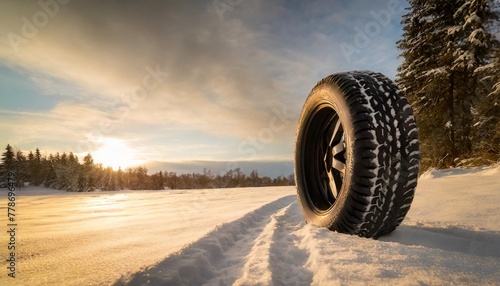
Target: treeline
[
  {"x": 451, "y": 76},
  {"x": 65, "y": 172}
]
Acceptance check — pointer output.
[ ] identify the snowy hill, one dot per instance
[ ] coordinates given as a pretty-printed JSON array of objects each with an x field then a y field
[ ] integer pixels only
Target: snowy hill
[{"x": 255, "y": 236}]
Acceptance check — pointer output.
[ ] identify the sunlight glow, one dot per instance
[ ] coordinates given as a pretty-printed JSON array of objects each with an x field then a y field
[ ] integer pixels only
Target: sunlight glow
[{"x": 115, "y": 154}]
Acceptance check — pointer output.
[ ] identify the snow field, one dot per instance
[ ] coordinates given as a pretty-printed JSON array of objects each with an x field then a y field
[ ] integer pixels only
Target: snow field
[
  {"x": 257, "y": 236},
  {"x": 283, "y": 250},
  {"x": 94, "y": 238}
]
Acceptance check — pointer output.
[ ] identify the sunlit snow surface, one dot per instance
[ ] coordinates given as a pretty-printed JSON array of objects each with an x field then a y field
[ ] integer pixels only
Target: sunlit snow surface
[{"x": 252, "y": 236}]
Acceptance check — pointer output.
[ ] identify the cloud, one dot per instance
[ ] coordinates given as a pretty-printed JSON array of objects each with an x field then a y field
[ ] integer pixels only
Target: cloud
[
  {"x": 58, "y": 129},
  {"x": 226, "y": 79},
  {"x": 106, "y": 47}
]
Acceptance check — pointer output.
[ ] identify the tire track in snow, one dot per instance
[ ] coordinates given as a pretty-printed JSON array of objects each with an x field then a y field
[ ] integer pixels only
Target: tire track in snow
[
  {"x": 218, "y": 257},
  {"x": 256, "y": 269},
  {"x": 274, "y": 259},
  {"x": 287, "y": 260}
]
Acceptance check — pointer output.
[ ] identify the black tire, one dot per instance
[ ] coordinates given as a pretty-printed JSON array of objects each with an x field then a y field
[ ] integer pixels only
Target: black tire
[{"x": 356, "y": 154}]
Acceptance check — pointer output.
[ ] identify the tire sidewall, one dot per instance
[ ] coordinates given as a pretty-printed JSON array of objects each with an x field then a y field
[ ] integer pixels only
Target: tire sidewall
[{"x": 331, "y": 95}]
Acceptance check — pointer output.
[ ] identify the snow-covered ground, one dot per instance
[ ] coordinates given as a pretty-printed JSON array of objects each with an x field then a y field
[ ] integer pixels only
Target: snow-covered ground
[{"x": 253, "y": 236}]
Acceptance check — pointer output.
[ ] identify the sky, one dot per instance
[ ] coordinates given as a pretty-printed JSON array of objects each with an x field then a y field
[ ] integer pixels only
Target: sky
[{"x": 179, "y": 81}]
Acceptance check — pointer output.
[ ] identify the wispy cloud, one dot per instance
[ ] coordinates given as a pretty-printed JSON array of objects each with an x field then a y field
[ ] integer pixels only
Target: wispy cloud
[
  {"x": 58, "y": 129},
  {"x": 225, "y": 78}
]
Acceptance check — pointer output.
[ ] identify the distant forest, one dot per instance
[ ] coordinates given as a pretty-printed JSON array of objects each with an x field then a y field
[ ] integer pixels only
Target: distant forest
[{"x": 65, "y": 172}]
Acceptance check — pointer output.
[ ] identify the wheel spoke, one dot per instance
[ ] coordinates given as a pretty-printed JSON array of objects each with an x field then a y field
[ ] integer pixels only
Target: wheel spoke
[
  {"x": 330, "y": 158},
  {"x": 333, "y": 184},
  {"x": 338, "y": 148},
  {"x": 333, "y": 145},
  {"x": 331, "y": 148},
  {"x": 335, "y": 133},
  {"x": 338, "y": 165}
]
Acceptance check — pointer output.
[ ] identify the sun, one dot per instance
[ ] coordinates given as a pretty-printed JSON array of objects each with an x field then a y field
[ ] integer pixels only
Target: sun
[{"x": 114, "y": 153}]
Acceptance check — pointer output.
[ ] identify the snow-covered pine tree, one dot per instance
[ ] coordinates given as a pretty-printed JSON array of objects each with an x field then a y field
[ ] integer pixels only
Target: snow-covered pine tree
[
  {"x": 444, "y": 43},
  {"x": 475, "y": 51},
  {"x": 487, "y": 111},
  {"x": 486, "y": 115},
  {"x": 425, "y": 77}
]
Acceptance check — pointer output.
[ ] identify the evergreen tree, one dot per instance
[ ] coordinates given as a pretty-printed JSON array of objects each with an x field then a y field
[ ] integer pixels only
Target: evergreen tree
[
  {"x": 109, "y": 180},
  {"x": 444, "y": 44},
  {"x": 159, "y": 181},
  {"x": 36, "y": 169},
  {"x": 487, "y": 110},
  {"x": 31, "y": 157},
  {"x": 82, "y": 181},
  {"x": 48, "y": 166},
  {"x": 67, "y": 170},
  {"x": 21, "y": 168},
  {"x": 131, "y": 181},
  {"x": 8, "y": 158},
  {"x": 31, "y": 166},
  {"x": 88, "y": 180},
  {"x": 6, "y": 165}
]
